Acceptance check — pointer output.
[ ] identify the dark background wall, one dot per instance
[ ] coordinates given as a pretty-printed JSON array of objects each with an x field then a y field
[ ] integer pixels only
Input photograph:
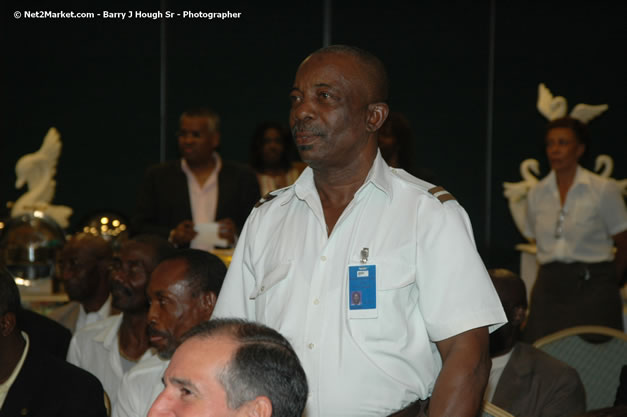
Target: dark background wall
[{"x": 465, "y": 73}]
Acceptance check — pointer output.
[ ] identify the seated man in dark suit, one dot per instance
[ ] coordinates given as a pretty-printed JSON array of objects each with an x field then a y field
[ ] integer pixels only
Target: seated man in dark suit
[
  {"x": 199, "y": 188},
  {"x": 45, "y": 332},
  {"x": 32, "y": 381},
  {"x": 524, "y": 380}
]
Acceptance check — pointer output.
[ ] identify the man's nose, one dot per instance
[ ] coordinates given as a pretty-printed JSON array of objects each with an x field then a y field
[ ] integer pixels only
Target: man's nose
[
  {"x": 161, "y": 407},
  {"x": 304, "y": 110}
]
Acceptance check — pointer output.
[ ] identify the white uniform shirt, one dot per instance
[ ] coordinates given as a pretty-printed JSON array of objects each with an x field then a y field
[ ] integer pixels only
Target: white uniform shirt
[
  {"x": 95, "y": 349},
  {"x": 140, "y": 387},
  {"x": 593, "y": 212},
  {"x": 431, "y": 284}
]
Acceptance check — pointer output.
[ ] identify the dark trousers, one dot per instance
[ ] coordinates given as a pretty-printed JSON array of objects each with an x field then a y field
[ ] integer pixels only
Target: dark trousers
[{"x": 574, "y": 294}]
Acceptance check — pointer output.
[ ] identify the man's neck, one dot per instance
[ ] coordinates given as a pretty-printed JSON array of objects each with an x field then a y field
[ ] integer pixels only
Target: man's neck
[
  {"x": 132, "y": 334},
  {"x": 12, "y": 349},
  {"x": 337, "y": 186},
  {"x": 202, "y": 170},
  {"x": 96, "y": 302}
]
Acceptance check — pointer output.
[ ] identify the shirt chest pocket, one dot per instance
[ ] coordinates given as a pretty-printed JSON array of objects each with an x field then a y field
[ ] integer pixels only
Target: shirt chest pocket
[{"x": 585, "y": 212}]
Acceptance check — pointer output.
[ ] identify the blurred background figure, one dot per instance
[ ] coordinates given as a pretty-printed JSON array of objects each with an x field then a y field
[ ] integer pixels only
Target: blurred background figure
[
  {"x": 576, "y": 217},
  {"x": 83, "y": 269},
  {"x": 271, "y": 157},
  {"x": 396, "y": 146},
  {"x": 526, "y": 381}
]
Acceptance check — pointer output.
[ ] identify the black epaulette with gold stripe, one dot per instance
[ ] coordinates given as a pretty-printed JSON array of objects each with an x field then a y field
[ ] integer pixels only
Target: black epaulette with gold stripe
[
  {"x": 264, "y": 199},
  {"x": 441, "y": 194}
]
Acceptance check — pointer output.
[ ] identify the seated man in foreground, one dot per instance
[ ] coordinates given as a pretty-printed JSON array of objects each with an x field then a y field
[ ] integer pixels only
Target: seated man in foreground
[
  {"x": 182, "y": 292},
  {"x": 32, "y": 381},
  {"x": 233, "y": 367},
  {"x": 524, "y": 380}
]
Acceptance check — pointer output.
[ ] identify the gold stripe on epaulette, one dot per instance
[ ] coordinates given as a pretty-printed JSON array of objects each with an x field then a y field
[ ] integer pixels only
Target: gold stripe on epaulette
[
  {"x": 441, "y": 194},
  {"x": 264, "y": 199}
]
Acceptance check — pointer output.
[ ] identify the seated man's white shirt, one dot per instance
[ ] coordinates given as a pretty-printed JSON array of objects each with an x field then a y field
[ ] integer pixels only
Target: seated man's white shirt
[
  {"x": 85, "y": 318},
  {"x": 140, "y": 387},
  {"x": 6, "y": 385},
  {"x": 431, "y": 285},
  {"x": 498, "y": 365},
  {"x": 95, "y": 349}
]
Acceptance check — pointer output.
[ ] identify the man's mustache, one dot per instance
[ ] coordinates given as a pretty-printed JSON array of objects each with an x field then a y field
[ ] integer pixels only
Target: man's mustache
[
  {"x": 154, "y": 332},
  {"x": 119, "y": 287},
  {"x": 301, "y": 126}
]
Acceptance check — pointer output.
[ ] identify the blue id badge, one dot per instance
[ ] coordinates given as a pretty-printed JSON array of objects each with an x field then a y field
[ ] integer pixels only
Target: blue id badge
[{"x": 362, "y": 291}]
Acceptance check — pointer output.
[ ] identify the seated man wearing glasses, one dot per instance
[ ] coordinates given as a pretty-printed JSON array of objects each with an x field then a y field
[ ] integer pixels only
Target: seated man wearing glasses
[{"x": 200, "y": 188}]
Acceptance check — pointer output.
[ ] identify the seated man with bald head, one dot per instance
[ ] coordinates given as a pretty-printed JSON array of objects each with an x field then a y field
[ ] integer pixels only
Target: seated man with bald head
[
  {"x": 231, "y": 367},
  {"x": 182, "y": 291},
  {"x": 82, "y": 267},
  {"x": 524, "y": 380}
]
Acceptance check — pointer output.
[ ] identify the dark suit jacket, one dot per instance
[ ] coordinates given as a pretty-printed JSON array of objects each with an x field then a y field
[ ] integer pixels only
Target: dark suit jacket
[
  {"x": 534, "y": 383},
  {"x": 45, "y": 333},
  {"x": 163, "y": 200},
  {"x": 50, "y": 387}
]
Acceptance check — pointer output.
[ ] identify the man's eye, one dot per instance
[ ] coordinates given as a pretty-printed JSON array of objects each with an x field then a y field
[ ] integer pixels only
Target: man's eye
[
  {"x": 324, "y": 94},
  {"x": 294, "y": 99},
  {"x": 185, "y": 392}
]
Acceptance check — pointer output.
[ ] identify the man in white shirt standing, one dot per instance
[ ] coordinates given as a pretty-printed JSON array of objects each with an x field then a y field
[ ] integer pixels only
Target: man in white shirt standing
[
  {"x": 111, "y": 347},
  {"x": 83, "y": 268},
  {"x": 182, "y": 291},
  {"x": 371, "y": 274}
]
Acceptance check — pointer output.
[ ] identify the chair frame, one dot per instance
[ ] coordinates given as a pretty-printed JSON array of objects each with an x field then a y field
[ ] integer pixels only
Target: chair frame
[
  {"x": 494, "y": 410},
  {"x": 577, "y": 330}
]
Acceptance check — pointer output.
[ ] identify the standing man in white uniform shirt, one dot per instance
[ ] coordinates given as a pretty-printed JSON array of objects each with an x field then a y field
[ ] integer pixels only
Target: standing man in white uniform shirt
[
  {"x": 110, "y": 348},
  {"x": 83, "y": 268},
  {"x": 352, "y": 225}
]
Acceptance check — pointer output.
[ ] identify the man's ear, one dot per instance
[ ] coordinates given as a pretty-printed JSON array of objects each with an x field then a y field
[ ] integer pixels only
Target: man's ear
[
  {"x": 7, "y": 323},
  {"x": 377, "y": 113},
  {"x": 208, "y": 302},
  {"x": 261, "y": 406}
]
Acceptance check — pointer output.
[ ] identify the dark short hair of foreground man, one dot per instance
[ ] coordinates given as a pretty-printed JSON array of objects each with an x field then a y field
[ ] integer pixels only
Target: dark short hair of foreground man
[
  {"x": 39, "y": 384},
  {"x": 233, "y": 367},
  {"x": 350, "y": 224}
]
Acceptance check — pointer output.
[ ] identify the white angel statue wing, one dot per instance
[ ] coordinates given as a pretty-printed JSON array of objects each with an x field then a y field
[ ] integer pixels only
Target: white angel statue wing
[
  {"x": 586, "y": 112},
  {"x": 550, "y": 107}
]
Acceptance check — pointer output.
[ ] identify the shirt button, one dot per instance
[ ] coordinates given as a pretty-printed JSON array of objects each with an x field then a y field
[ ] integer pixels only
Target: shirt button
[
  {"x": 316, "y": 301},
  {"x": 262, "y": 288},
  {"x": 323, "y": 258},
  {"x": 310, "y": 346}
]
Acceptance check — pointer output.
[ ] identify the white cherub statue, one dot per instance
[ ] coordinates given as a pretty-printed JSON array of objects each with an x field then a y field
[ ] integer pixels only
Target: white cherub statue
[{"x": 38, "y": 170}]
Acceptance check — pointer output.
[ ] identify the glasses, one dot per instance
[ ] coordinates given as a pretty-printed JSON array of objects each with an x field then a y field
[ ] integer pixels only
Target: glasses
[{"x": 559, "y": 226}]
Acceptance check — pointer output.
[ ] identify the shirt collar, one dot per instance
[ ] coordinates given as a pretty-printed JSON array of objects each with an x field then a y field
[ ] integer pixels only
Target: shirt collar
[
  {"x": 6, "y": 385},
  {"x": 108, "y": 335},
  {"x": 379, "y": 176},
  {"x": 189, "y": 174}
]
